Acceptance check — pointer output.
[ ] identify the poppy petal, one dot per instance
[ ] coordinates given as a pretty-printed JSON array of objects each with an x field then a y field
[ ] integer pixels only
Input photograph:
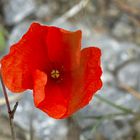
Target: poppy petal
[
  {"x": 87, "y": 79},
  {"x": 64, "y": 47},
  {"x": 57, "y": 95},
  {"x": 24, "y": 57},
  {"x": 91, "y": 70},
  {"x": 54, "y": 103},
  {"x": 40, "y": 81}
]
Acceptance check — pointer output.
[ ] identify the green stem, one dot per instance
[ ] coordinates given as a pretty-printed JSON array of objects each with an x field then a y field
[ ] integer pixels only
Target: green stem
[
  {"x": 98, "y": 122},
  {"x": 119, "y": 107},
  {"x": 107, "y": 116}
]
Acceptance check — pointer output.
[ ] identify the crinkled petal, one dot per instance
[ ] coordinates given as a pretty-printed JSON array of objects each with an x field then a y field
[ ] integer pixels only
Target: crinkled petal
[
  {"x": 91, "y": 72},
  {"x": 64, "y": 47},
  {"x": 24, "y": 57},
  {"x": 86, "y": 80}
]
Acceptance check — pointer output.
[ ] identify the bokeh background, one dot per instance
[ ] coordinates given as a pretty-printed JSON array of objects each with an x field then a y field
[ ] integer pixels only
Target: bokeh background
[{"x": 113, "y": 26}]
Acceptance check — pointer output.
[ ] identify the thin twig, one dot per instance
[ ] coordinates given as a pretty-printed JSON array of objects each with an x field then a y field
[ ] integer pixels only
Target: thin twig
[
  {"x": 73, "y": 11},
  {"x": 14, "y": 110},
  {"x": 10, "y": 112},
  {"x": 130, "y": 90},
  {"x": 124, "y": 86},
  {"x": 12, "y": 99},
  {"x": 134, "y": 11}
]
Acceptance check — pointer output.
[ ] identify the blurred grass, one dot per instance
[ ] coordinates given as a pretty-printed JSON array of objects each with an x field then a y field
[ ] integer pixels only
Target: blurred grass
[
  {"x": 2, "y": 38},
  {"x": 119, "y": 107}
]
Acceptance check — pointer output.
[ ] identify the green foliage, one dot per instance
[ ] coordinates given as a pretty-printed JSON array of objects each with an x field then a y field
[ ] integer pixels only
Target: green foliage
[{"x": 2, "y": 39}]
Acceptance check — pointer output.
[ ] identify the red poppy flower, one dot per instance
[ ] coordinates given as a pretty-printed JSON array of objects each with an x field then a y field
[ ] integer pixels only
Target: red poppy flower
[{"x": 48, "y": 60}]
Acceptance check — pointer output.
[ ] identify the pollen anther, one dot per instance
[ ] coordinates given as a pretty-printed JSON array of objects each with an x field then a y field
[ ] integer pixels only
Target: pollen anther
[{"x": 55, "y": 74}]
